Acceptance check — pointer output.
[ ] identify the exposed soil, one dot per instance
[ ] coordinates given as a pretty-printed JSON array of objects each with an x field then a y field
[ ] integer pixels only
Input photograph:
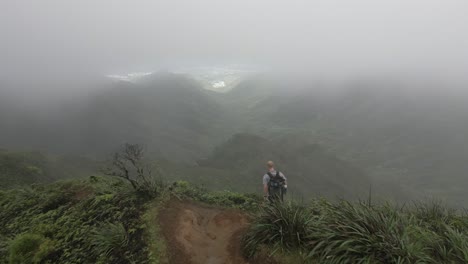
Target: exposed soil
[{"x": 200, "y": 234}]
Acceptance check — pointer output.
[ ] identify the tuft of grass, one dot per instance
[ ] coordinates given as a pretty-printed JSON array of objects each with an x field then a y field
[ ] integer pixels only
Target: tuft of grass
[
  {"x": 109, "y": 240},
  {"x": 279, "y": 226},
  {"x": 358, "y": 232}
]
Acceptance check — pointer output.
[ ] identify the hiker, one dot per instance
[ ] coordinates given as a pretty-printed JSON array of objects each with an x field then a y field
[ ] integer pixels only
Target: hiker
[{"x": 274, "y": 184}]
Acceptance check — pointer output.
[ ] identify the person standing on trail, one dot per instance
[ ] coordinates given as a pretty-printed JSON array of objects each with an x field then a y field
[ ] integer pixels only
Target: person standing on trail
[{"x": 274, "y": 183}]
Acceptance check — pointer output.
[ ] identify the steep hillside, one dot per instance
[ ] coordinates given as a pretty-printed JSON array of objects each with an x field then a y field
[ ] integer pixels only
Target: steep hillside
[
  {"x": 401, "y": 132},
  {"x": 311, "y": 170},
  {"x": 105, "y": 220},
  {"x": 169, "y": 113},
  {"x": 25, "y": 168},
  {"x": 93, "y": 221},
  {"x": 405, "y": 134}
]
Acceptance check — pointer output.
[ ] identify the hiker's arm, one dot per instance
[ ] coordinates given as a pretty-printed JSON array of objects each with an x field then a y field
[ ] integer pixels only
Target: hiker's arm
[
  {"x": 265, "y": 185},
  {"x": 265, "y": 189},
  {"x": 285, "y": 179}
]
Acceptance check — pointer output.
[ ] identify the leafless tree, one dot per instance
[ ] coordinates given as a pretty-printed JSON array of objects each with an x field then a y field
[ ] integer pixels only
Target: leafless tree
[{"x": 128, "y": 164}]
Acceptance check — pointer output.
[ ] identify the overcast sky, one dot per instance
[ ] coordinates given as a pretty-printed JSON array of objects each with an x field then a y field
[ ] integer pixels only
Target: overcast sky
[{"x": 117, "y": 36}]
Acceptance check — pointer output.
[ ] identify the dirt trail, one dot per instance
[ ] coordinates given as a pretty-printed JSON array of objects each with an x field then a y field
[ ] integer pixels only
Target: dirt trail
[{"x": 199, "y": 234}]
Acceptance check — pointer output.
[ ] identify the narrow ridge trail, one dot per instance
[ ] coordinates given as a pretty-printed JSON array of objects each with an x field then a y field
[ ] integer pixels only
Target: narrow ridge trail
[{"x": 201, "y": 234}]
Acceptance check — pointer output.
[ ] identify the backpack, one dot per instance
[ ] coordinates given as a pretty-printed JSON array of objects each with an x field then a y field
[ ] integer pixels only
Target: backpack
[{"x": 276, "y": 181}]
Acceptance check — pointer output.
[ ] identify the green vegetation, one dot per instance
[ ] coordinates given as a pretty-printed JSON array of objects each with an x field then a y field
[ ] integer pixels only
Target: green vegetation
[
  {"x": 185, "y": 190},
  {"x": 345, "y": 232},
  {"x": 105, "y": 220},
  {"x": 30, "y": 248},
  {"x": 98, "y": 220},
  {"x": 157, "y": 248},
  {"x": 92, "y": 221}
]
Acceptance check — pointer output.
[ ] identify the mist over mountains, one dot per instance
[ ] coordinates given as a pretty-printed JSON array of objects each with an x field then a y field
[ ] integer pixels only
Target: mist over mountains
[
  {"x": 141, "y": 131},
  {"x": 398, "y": 134}
]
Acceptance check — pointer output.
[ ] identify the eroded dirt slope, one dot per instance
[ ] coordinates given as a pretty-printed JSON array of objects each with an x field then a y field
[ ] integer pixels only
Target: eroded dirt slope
[{"x": 199, "y": 234}]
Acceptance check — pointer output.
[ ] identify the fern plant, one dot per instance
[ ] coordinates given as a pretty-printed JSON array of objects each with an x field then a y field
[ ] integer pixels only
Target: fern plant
[{"x": 109, "y": 240}]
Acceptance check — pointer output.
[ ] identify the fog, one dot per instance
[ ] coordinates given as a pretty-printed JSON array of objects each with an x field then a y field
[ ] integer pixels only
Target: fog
[
  {"x": 128, "y": 124},
  {"x": 54, "y": 39}
]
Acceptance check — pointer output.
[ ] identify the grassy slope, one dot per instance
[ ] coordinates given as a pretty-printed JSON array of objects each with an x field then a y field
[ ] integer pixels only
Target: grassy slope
[
  {"x": 101, "y": 220},
  {"x": 91, "y": 221}
]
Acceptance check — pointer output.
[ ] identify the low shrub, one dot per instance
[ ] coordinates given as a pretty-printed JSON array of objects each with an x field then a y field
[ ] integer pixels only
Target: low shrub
[
  {"x": 30, "y": 248},
  {"x": 185, "y": 190}
]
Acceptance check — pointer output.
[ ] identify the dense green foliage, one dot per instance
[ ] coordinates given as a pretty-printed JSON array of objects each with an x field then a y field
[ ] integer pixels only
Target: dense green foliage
[
  {"x": 99, "y": 220},
  {"x": 104, "y": 220},
  {"x": 345, "y": 232},
  {"x": 30, "y": 248},
  {"x": 94, "y": 221}
]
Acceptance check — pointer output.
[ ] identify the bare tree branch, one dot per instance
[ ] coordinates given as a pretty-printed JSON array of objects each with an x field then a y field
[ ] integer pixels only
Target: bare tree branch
[{"x": 128, "y": 164}]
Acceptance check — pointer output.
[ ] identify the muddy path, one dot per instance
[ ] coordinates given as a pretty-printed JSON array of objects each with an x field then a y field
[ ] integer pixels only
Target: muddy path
[{"x": 200, "y": 234}]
